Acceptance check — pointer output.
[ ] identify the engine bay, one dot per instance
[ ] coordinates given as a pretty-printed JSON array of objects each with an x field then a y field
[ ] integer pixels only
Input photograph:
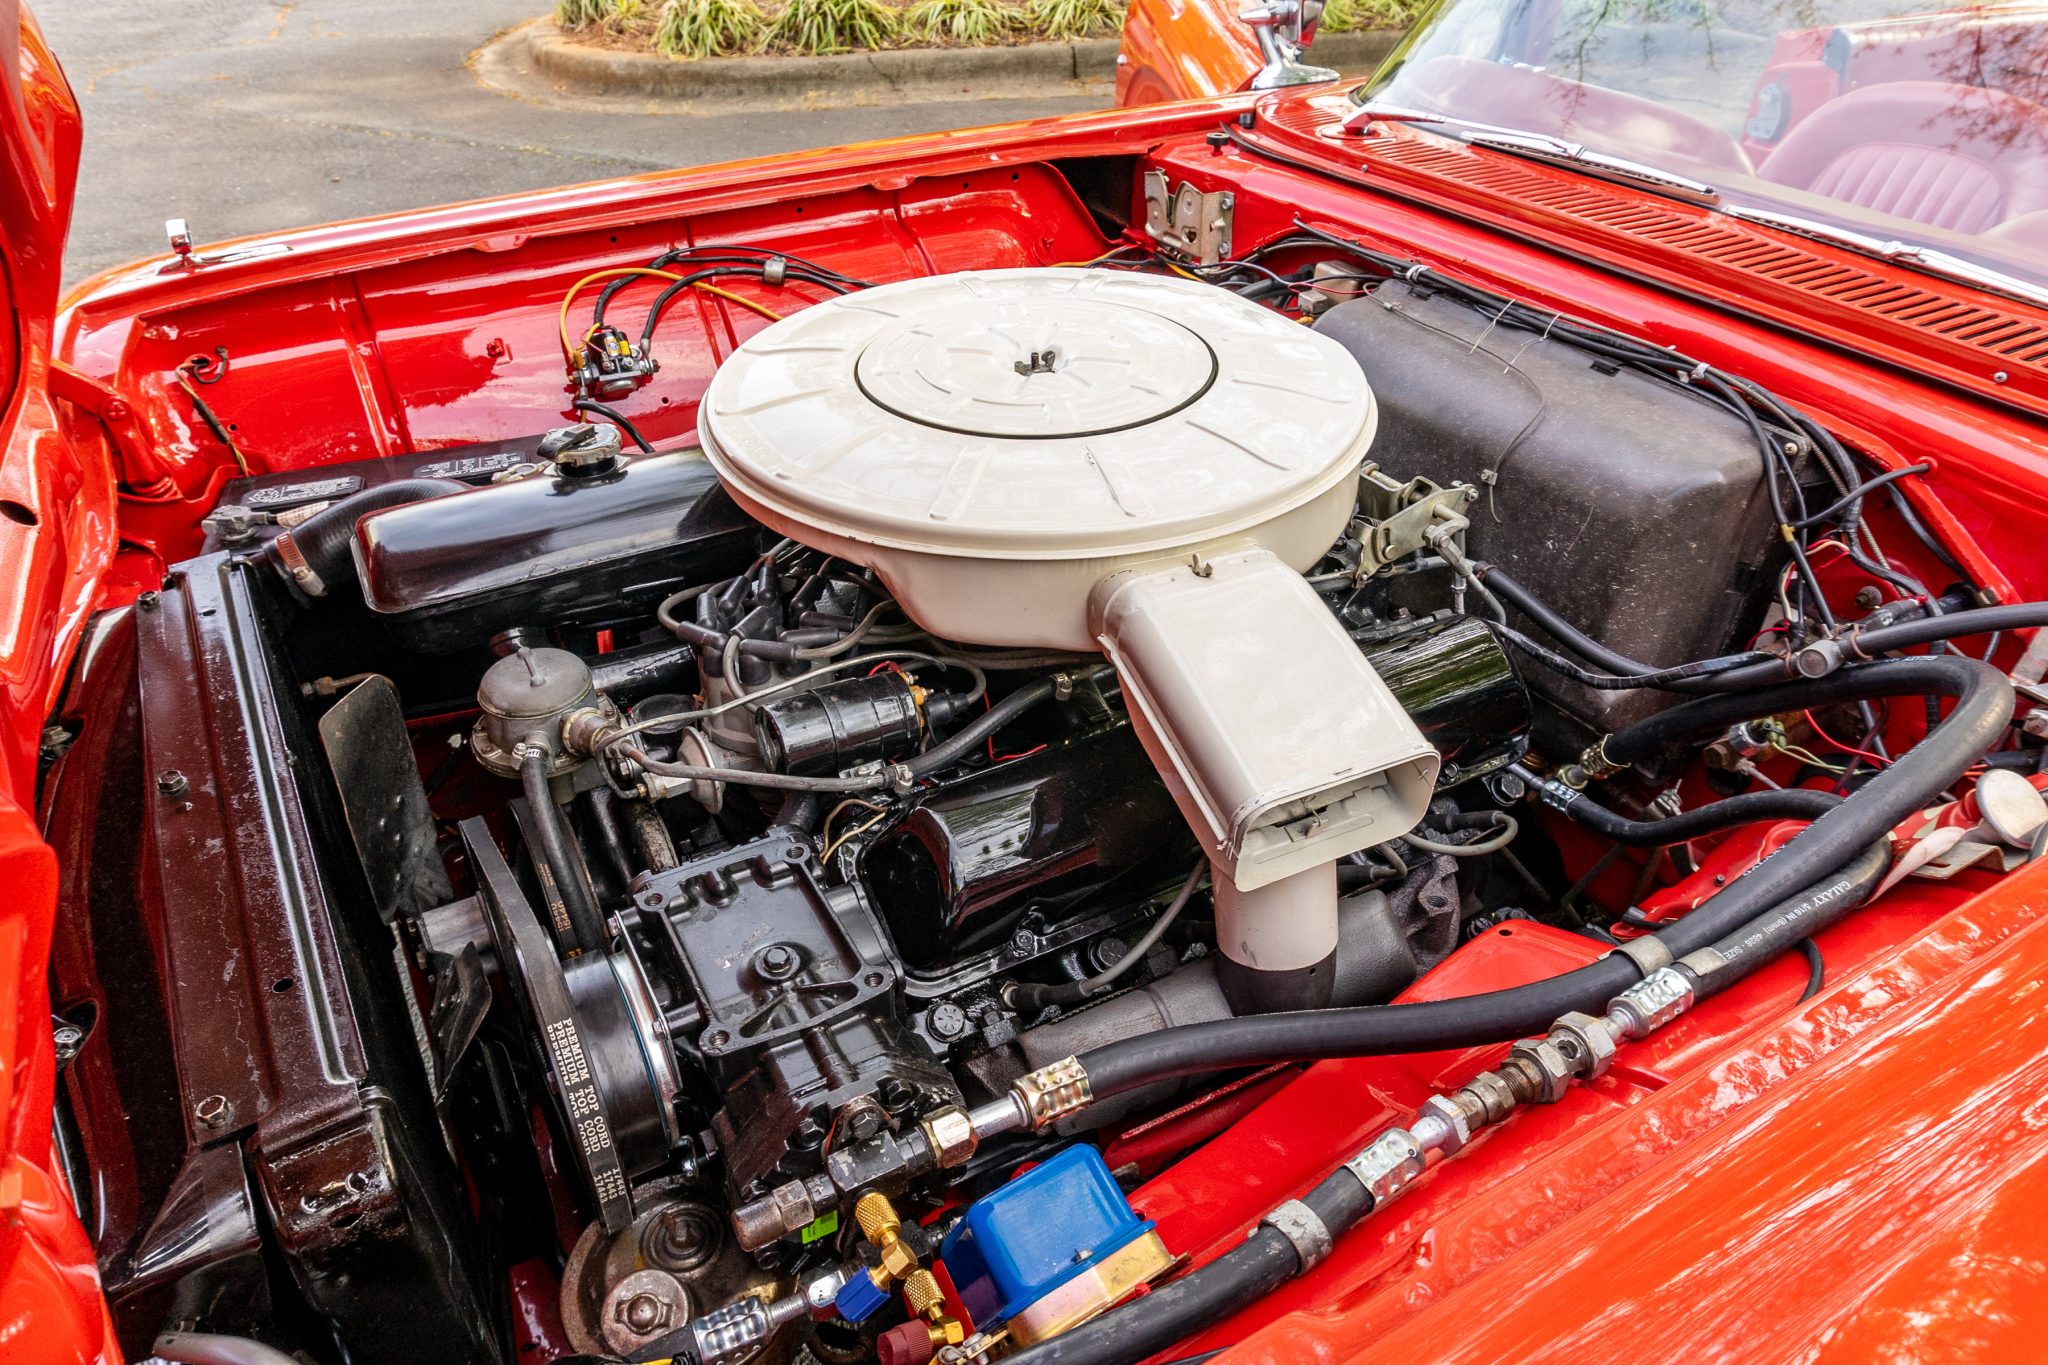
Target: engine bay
[{"x": 754, "y": 883}]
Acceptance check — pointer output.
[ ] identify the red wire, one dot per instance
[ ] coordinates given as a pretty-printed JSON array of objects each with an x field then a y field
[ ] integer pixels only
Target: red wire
[
  {"x": 1845, "y": 748},
  {"x": 995, "y": 757}
]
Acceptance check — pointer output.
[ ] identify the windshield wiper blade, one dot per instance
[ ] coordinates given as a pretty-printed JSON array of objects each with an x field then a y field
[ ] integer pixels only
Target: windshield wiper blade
[
  {"x": 1545, "y": 147},
  {"x": 1931, "y": 260}
]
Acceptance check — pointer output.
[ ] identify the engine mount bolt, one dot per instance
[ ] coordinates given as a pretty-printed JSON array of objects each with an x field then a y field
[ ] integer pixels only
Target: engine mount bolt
[
  {"x": 172, "y": 783},
  {"x": 214, "y": 1112},
  {"x": 777, "y": 960},
  {"x": 68, "y": 1038}
]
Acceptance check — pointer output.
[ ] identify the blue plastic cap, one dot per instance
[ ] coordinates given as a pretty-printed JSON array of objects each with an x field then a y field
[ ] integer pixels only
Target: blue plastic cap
[
  {"x": 860, "y": 1297},
  {"x": 1018, "y": 1243}
]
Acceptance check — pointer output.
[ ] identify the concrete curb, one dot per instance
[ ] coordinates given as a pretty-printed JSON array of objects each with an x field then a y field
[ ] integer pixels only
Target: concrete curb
[{"x": 863, "y": 77}]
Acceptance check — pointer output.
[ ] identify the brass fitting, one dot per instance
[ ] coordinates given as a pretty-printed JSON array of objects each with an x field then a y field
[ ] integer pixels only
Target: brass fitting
[
  {"x": 880, "y": 1225},
  {"x": 921, "y": 1291}
]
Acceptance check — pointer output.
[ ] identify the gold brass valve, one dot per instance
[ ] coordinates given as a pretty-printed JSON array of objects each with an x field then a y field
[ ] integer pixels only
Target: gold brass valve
[
  {"x": 926, "y": 1300},
  {"x": 880, "y": 1225}
]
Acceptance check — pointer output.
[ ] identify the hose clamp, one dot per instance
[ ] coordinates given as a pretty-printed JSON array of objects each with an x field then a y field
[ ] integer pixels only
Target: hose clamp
[
  {"x": 1300, "y": 1225},
  {"x": 1648, "y": 953},
  {"x": 294, "y": 560},
  {"x": 1389, "y": 1165},
  {"x": 1595, "y": 763}
]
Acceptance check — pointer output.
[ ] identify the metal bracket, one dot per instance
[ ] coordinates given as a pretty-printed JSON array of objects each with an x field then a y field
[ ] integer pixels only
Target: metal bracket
[
  {"x": 1400, "y": 519},
  {"x": 1187, "y": 222}
]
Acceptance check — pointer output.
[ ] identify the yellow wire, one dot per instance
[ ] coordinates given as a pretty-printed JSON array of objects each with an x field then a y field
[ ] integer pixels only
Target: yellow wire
[
  {"x": 881, "y": 812},
  {"x": 562, "y": 319},
  {"x": 1113, "y": 251}
]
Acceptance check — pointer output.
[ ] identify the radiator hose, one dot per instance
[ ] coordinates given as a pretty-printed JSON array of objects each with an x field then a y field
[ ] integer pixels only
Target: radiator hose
[
  {"x": 1983, "y": 707},
  {"x": 318, "y": 555}
]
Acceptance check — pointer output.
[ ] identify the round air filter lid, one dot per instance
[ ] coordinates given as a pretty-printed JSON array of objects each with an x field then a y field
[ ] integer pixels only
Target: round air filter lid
[{"x": 1035, "y": 413}]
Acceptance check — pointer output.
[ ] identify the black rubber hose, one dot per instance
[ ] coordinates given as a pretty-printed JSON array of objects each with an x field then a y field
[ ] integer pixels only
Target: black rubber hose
[
  {"x": 1912, "y": 677},
  {"x": 969, "y": 736},
  {"x": 1923, "y": 630},
  {"x": 584, "y": 922},
  {"x": 1787, "y": 925},
  {"x": 1953, "y": 626},
  {"x": 1790, "y": 803},
  {"x": 324, "y": 541},
  {"x": 1247, "y": 1272},
  {"x": 1982, "y": 710}
]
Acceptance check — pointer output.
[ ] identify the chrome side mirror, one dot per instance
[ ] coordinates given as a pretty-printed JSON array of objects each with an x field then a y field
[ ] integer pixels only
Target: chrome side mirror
[{"x": 1284, "y": 29}]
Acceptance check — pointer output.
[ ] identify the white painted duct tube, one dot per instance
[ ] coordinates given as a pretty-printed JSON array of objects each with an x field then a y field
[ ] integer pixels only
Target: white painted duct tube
[{"x": 1283, "y": 747}]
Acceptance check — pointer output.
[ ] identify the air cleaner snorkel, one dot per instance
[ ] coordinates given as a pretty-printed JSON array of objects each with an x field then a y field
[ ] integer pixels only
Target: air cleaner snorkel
[{"x": 1144, "y": 465}]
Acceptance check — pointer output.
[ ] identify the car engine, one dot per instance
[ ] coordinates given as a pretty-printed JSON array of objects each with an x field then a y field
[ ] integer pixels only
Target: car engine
[{"x": 1021, "y": 661}]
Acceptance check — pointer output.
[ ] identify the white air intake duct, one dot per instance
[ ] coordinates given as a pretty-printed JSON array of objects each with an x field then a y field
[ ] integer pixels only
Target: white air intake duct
[{"x": 1137, "y": 464}]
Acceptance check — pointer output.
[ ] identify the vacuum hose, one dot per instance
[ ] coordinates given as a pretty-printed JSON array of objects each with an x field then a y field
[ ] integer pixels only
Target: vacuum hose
[{"x": 584, "y": 921}]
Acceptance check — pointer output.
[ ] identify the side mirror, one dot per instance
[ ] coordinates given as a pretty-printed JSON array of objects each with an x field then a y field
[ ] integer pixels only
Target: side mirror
[{"x": 1284, "y": 29}]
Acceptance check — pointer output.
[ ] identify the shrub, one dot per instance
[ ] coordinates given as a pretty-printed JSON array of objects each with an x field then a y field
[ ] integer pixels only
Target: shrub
[
  {"x": 1075, "y": 18},
  {"x": 834, "y": 25},
  {"x": 1349, "y": 16},
  {"x": 582, "y": 13},
  {"x": 709, "y": 28},
  {"x": 971, "y": 23}
]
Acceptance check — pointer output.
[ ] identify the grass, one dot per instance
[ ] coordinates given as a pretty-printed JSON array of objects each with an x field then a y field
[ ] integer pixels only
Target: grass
[
  {"x": 1074, "y": 18},
  {"x": 709, "y": 28},
  {"x": 821, "y": 26},
  {"x": 968, "y": 23}
]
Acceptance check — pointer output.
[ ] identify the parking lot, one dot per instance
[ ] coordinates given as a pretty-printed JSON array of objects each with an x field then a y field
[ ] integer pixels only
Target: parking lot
[{"x": 247, "y": 118}]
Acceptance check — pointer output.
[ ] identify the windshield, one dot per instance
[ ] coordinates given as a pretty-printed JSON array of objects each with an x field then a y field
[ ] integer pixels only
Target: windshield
[{"x": 1884, "y": 118}]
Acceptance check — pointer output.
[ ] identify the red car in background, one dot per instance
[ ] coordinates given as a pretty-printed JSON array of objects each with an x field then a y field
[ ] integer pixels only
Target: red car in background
[{"x": 1306, "y": 719}]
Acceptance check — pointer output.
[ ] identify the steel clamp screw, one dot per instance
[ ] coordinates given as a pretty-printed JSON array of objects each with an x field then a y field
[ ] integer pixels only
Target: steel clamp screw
[
  {"x": 214, "y": 1112},
  {"x": 172, "y": 783}
]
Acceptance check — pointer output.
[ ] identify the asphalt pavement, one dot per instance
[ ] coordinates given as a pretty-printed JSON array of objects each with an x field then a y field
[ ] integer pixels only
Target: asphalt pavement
[{"x": 249, "y": 118}]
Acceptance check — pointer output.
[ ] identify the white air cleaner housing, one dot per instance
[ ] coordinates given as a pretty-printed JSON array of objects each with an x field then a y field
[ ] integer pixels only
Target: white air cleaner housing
[{"x": 1089, "y": 459}]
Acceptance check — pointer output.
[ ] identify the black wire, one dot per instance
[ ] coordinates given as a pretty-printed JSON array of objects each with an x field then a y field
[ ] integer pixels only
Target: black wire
[
  {"x": 1856, "y": 494},
  {"x": 1816, "y": 969},
  {"x": 616, "y": 417},
  {"x": 724, "y": 255},
  {"x": 662, "y": 300}
]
